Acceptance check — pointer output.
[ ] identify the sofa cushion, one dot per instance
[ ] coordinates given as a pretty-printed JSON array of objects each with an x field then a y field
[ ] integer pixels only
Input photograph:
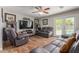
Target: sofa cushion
[
  {"x": 61, "y": 44},
  {"x": 47, "y": 29},
  {"x": 12, "y": 31},
  {"x": 39, "y": 50},
  {"x": 39, "y": 28},
  {"x": 56, "y": 50},
  {"x": 56, "y": 42},
  {"x": 44, "y": 29},
  {"x": 61, "y": 39},
  {"x": 50, "y": 47},
  {"x": 50, "y": 33}
]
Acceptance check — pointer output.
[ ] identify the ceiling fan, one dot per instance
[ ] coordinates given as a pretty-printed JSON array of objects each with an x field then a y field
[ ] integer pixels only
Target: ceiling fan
[{"x": 40, "y": 9}]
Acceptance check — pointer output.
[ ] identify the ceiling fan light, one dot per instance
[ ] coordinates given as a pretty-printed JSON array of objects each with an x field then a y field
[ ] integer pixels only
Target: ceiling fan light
[{"x": 41, "y": 13}]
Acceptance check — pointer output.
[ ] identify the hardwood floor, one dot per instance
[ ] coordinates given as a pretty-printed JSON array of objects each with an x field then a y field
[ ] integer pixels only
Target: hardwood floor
[{"x": 34, "y": 41}]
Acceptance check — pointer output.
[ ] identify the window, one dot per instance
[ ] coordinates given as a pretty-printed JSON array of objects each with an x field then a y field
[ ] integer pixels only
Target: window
[{"x": 64, "y": 26}]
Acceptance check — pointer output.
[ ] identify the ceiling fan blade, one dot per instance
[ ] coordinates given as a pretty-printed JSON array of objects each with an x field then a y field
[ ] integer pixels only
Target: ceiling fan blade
[
  {"x": 35, "y": 11},
  {"x": 45, "y": 12},
  {"x": 37, "y": 7},
  {"x": 46, "y": 8}
]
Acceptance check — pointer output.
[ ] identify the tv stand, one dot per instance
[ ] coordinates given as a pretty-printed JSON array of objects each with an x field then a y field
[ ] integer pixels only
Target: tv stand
[{"x": 29, "y": 32}]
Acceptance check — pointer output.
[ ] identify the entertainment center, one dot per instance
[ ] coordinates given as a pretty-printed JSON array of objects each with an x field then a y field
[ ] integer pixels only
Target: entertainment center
[{"x": 26, "y": 26}]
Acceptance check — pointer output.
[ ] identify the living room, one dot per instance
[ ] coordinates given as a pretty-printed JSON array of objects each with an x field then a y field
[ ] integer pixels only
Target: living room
[{"x": 38, "y": 27}]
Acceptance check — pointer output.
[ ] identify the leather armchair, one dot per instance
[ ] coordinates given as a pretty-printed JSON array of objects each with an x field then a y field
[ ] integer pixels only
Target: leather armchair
[{"x": 16, "y": 39}]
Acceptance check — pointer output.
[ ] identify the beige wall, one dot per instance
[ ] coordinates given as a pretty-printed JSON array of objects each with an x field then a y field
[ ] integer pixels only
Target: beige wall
[
  {"x": 19, "y": 16},
  {"x": 51, "y": 19},
  {"x": 0, "y": 31}
]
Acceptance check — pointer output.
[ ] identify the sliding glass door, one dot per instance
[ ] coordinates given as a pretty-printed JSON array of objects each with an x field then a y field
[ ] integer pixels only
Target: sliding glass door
[
  {"x": 59, "y": 25},
  {"x": 64, "y": 26},
  {"x": 69, "y": 25}
]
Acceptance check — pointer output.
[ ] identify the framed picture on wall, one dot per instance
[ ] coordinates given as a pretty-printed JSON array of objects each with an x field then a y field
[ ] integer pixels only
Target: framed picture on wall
[
  {"x": 36, "y": 21},
  {"x": 45, "y": 21},
  {"x": 10, "y": 17}
]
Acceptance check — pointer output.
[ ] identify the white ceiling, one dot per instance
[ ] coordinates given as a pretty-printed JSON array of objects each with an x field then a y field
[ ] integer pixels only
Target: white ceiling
[{"x": 27, "y": 10}]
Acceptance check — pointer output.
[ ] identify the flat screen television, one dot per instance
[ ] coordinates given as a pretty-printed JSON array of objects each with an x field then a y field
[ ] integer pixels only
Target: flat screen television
[{"x": 25, "y": 24}]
